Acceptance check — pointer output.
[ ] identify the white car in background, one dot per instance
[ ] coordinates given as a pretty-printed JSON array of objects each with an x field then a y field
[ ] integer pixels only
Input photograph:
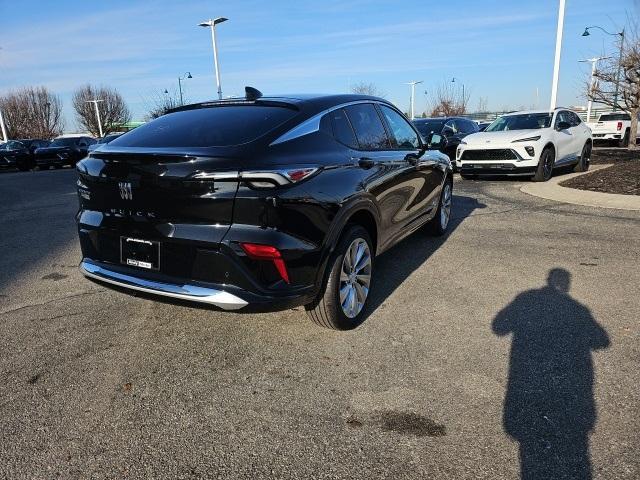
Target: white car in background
[
  {"x": 528, "y": 143},
  {"x": 614, "y": 126}
]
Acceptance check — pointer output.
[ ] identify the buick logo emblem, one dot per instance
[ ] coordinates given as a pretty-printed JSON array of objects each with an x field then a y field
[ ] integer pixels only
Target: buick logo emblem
[{"x": 125, "y": 190}]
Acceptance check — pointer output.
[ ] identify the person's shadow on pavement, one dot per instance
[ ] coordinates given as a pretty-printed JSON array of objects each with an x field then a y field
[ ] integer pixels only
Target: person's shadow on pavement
[{"x": 549, "y": 406}]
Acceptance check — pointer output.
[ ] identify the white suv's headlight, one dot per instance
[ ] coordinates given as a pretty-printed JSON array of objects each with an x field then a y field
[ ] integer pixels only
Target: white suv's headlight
[{"x": 528, "y": 139}]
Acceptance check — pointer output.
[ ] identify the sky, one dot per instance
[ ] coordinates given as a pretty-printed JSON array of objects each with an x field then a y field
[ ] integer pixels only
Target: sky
[{"x": 501, "y": 50}]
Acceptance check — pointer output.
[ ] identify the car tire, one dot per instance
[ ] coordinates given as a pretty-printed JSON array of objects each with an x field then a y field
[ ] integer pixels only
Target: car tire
[
  {"x": 438, "y": 225},
  {"x": 544, "y": 170},
  {"x": 327, "y": 310},
  {"x": 585, "y": 158},
  {"x": 624, "y": 141}
]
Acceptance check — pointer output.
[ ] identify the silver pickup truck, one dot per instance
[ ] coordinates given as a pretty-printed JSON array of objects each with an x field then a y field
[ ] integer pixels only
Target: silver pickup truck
[{"x": 610, "y": 127}]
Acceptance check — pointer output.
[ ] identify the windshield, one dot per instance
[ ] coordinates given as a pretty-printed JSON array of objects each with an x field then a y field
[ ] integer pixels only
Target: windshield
[
  {"x": 64, "y": 142},
  {"x": 608, "y": 117},
  {"x": 216, "y": 126},
  {"x": 425, "y": 127},
  {"x": 524, "y": 121},
  {"x": 11, "y": 145}
]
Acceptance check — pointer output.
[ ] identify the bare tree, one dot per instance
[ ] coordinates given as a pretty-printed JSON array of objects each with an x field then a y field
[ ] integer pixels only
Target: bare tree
[
  {"x": 32, "y": 112},
  {"x": 449, "y": 100},
  {"x": 604, "y": 88},
  {"x": 112, "y": 108},
  {"x": 364, "y": 88},
  {"x": 161, "y": 103},
  {"x": 482, "y": 105}
]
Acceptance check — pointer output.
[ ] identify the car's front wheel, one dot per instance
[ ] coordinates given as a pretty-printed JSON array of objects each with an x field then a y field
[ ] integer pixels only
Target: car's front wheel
[
  {"x": 341, "y": 302},
  {"x": 545, "y": 165}
]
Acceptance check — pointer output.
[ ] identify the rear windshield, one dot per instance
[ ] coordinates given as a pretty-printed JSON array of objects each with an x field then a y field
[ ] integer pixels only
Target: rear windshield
[
  {"x": 218, "y": 126},
  {"x": 614, "y": 116}
]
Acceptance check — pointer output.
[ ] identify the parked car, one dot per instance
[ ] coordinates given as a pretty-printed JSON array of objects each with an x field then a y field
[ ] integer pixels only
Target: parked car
[
  {"x": 63, "y": 151},
  {"x": 482, "y": 126},
  {"x": 103, "y": 141},
  {"x": 11, "y": 153},
  {"x": 453, "y": 129},
  {"x": 529, "y": 143},
  {"x": 27, "y": 162},
  {"x": 261, "y": 203},
  {"x": 615, "y": 126}
]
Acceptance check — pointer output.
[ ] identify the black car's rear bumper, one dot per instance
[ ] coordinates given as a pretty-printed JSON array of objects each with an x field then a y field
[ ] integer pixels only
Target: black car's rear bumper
[{"x": 223, "y": 296}]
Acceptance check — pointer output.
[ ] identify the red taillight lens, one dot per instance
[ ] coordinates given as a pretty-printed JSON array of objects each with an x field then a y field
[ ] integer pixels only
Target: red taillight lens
[
  {"x": 299, "y": 174},
  {"x": 619, "y": 126},
  {"x": 267, "y": 252}
]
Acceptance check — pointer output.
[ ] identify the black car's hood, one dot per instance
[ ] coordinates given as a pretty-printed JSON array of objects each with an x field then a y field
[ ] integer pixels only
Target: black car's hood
[
  {"x": 53, "y": 150},
  {"x": 9, "y": 152}
]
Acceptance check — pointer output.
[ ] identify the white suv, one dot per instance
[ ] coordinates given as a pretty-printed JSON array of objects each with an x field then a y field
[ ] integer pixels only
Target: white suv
[{"x": 529, "y": 143}]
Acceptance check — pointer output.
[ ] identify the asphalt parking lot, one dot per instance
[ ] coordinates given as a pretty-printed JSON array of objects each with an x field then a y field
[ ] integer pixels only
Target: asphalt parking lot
[{"x": 509, "y": 348}]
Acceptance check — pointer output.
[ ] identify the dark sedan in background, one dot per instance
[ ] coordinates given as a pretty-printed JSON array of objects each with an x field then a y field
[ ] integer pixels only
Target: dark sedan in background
[
  {"x": 20, "y": 153},
  {"x": 453, "y": 129},
  {"x": 63, "y": 151}
]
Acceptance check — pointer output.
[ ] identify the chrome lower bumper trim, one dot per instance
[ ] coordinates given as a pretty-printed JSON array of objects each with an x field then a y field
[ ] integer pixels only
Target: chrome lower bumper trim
[{"x": 211, "y": 296}]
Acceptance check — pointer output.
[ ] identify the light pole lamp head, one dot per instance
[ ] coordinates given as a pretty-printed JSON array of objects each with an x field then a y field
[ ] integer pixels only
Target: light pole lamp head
[
  {"x": 166, "y": 91},
  {"x": 189, "y": 75},
  {"x": 211, "y": 23},
  {"x": 586, "y": 32}
]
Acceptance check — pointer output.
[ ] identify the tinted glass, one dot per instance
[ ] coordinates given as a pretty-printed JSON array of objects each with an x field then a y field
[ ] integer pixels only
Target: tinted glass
[
  {"x": 470, "y": 127},
  {"x": 341, "y": 128},
  {"x": 575, "y": 119},
  {"x": 563, "y": 116},
  {"x": 64, "y": 142},
  {"x": 11, "y": 145},
  {"x": 207, "y": 127},
  {"x": 607, "y": 117},
  {"x": 368, "y": 127},
  {"x": 401, "y": 131},
  {"x": 425, "y": 127},
  {"x": 524, "y": 121}
]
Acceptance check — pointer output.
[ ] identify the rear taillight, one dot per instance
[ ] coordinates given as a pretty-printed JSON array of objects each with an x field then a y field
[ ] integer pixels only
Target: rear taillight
[
  {"x": 267, "y": 252},
  {"x": 619, "y": 126},
  {"x": 276, "y": 178}
]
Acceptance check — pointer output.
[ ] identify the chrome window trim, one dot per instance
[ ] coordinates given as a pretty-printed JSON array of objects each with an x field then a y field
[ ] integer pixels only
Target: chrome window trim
[{"x": 312, "y": 124}]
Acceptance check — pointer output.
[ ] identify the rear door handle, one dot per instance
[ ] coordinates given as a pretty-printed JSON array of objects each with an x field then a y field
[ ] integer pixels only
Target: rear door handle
[{"x": 364, "y": 162}]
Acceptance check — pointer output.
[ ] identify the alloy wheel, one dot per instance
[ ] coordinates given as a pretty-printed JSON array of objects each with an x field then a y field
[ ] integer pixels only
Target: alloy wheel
[
  {"x": 445, "y": 208},
  {"x": 547, "y": 164},
  {"x": 355, "y": 277}
]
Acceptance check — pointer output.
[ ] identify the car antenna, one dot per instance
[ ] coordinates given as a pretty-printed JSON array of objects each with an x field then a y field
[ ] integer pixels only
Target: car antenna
[{"x": 252, "y": 93}]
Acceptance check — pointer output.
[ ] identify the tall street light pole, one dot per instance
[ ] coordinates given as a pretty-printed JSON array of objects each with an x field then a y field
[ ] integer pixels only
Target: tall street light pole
[
  {"x": 186, "y": 75},
  {"x": 212, "y": 24},
  {"x": 586, "y": 34},
  {"x": 4, "y": 129},
  {"x": 413, "y": 94},
  {"x": 594, "y": 62},
  {"x": 556, "y": 63},
  {"x": 95, "y": 104}
]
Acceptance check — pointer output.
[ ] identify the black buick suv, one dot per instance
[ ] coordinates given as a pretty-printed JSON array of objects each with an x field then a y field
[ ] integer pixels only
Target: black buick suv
[{"x": 261, "y": 203}]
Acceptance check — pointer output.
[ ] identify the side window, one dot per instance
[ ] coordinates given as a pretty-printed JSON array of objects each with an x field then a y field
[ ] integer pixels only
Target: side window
[
  {"x": 562, "y": 117},
  {"x": 341, "y": 128},
  {"x": 575, "y": 119},
  {"x": 402, "y": 134},
  {"x": 472, "y": 127},
  {"x": 369, "y": 130}
]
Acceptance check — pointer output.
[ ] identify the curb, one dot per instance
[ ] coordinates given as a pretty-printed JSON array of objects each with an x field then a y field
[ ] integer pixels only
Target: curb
[{"x": 552, "y": 191}]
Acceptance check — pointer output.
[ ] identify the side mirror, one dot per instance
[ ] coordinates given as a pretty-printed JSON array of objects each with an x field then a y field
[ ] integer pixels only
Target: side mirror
[
  {"x": 563, "y": 126},
  {"x": 436, "y": 142}
]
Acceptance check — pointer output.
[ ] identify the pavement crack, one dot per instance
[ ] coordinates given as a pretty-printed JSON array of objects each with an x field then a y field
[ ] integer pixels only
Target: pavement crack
[{"x": 53, "y": 300}]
